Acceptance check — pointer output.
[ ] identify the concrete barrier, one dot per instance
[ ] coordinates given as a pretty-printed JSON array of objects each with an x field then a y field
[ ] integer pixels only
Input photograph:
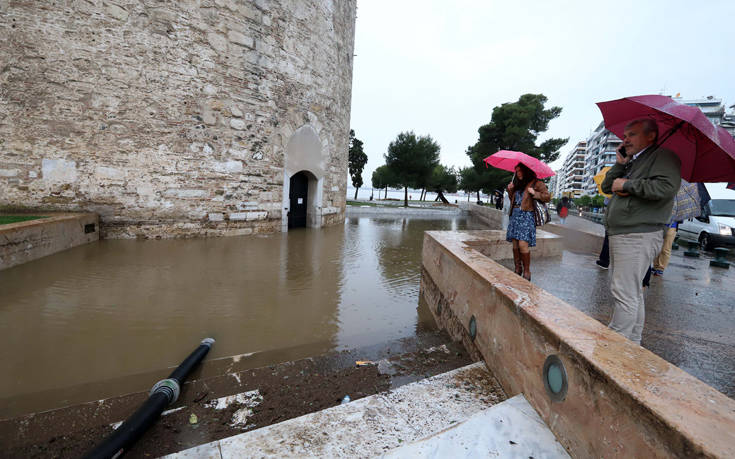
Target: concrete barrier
[
  {"x": 393, "y": 211},
  {"x": 618, "y": 399},
  {"x": 25, "y": 241},
  {"x": 491, "y": 216}
]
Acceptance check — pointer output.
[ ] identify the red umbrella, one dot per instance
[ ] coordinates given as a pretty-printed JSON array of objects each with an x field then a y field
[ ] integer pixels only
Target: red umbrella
[
  {"x": 707, "y": 152},
  {"x": 507, "y": 160}
]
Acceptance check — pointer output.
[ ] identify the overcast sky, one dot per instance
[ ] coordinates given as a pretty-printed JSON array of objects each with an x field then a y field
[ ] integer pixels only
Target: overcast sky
[{"x": 438, "y": 67}]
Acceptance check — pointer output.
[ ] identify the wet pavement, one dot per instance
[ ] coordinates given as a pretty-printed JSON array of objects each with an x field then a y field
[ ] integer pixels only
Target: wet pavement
[{"x": 690, "y": 311}]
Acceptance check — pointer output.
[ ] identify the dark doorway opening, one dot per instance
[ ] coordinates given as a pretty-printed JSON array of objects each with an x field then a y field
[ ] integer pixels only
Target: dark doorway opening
[{"x": 297, "y": 190}]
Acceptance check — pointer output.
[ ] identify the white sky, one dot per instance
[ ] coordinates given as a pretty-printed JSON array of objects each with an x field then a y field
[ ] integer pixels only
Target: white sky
[{"x": 438, "y": 67}]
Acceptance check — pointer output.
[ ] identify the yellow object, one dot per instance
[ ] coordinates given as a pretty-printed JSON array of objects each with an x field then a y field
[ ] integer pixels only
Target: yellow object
[
  {"x": 599, "y": 178},
  {"x": 193, "y": 419},
  {"x": 362, "y": 363}
]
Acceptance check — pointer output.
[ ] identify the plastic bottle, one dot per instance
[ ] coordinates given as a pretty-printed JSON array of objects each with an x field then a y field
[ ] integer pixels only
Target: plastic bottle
[{"x": 345, "y": 400}]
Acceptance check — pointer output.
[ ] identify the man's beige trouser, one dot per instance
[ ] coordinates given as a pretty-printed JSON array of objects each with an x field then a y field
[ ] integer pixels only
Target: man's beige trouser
[
  {"x": 662, "y": 259},
  {"x": 630, "y": 256}
]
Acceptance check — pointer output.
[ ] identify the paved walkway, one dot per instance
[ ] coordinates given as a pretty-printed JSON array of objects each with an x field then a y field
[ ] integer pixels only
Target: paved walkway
[
  {"x": 690, "y": 312},
  {"x": 581, "y": 224}
]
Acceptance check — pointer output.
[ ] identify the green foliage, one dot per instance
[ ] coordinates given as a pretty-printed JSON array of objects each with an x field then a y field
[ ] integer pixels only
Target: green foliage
[
  {"x": 598, "y": 201},
  {"x": 411, "y": 160},
  {"x": 357, "y": 160},
  {"x": 443, "y": 179},
  {"x": 383, "y": 177},
  {"x": 515, "y": 126},
  {"x": 582, "y": 201},
  {"x": 469, "y": 180}
]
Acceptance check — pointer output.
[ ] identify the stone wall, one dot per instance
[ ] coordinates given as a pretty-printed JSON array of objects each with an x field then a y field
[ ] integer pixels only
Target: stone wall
[{"x": 174, "y": 119}]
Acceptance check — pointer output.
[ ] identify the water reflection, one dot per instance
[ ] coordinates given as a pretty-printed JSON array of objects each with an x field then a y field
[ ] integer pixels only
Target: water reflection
[{"x": 116, "y": 308}]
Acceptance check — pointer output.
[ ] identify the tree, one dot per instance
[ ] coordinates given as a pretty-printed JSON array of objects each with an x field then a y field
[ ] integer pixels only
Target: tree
[
  {"x": 357, "y": 161},
  {"x": 411, "y": 160},
  {"x": 515, "y": 126},
  {"x": 583, "y": 201},
  {"x": 470, "y": 181},
  {"x": 383, "y": 178},
  {"x": 442, "y": 179},
  {"x": 598, "y": 201}
]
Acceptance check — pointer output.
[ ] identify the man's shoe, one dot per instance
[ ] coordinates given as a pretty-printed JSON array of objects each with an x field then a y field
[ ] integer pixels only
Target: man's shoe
[{"x": 601, "y": 265}]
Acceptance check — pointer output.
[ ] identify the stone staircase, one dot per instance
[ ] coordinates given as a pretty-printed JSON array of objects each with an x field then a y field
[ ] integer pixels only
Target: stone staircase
[{"x": 456, "y": 414}]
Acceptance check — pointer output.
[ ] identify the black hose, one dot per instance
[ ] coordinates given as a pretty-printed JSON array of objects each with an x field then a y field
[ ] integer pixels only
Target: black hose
[{"x": 163, "y": 393}]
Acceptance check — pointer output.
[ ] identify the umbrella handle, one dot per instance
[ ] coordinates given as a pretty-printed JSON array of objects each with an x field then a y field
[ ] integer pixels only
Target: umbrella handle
[
  {"x": 511, "y": 182},
  {"x": 668, "y": 134}
]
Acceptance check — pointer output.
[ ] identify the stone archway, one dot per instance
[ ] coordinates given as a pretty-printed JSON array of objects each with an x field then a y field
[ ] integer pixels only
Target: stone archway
[{"x": 304, "y": 155}]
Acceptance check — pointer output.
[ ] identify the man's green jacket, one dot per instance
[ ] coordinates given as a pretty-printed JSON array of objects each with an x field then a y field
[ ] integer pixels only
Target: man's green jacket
[{"x": 653, "y": 180}]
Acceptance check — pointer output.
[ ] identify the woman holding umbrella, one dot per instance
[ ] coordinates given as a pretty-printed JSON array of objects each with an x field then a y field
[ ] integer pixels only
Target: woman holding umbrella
[{"x": 523, "y": 189}]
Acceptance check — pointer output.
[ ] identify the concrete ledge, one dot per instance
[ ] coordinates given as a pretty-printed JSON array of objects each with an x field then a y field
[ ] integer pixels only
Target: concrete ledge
[
  {"x": 492, "y": 243},
  {"x": 25, "y": 241},
  {"x": 622, "y": 400}
]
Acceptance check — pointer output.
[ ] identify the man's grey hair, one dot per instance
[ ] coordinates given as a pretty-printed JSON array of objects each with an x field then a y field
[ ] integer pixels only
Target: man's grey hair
[{"x": 647, "y": 124}]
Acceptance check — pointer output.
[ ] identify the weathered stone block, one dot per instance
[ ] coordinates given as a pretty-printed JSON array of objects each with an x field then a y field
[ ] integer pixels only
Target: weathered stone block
[
  {"x": 240, "y": 39},
  {"x": 59, "y": 170}
]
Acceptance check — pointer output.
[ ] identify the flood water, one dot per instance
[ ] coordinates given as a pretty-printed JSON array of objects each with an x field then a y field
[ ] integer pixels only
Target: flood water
[{"x": 120, "y": 307}]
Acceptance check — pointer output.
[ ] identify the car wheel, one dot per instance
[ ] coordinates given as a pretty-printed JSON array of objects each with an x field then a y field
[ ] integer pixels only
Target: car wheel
[{"x": 705, "y": 242}]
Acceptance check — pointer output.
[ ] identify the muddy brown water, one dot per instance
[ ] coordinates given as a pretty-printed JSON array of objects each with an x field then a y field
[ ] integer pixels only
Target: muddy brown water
[{"x": 122, "y": 307}]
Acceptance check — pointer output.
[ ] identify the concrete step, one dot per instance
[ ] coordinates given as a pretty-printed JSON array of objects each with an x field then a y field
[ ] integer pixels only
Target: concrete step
[
  {"x": 377, "y": 425},
  {"x": 511, "y": 429}
]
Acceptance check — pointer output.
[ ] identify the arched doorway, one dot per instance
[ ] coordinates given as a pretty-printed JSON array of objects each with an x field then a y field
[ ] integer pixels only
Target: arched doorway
[
  {"x": 303, "y": 178},
  {"x": 298, "y": 190}
]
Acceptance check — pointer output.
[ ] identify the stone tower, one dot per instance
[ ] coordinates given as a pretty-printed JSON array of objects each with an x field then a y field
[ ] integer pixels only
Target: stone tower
[{"x": 175, "y": 119}]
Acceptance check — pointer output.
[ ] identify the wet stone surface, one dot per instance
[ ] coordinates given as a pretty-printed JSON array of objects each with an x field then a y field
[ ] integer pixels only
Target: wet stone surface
[{"x": 690, "y": 311}]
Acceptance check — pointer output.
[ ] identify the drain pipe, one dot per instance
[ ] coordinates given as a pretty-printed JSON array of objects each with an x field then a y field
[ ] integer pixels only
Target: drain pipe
[{"x": 163, "y": 393}]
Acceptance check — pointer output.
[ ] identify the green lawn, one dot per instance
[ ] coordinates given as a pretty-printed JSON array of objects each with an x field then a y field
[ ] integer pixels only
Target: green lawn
[
  {"x": 362, "y": 203},
  {"x": 5, "y": 219}
]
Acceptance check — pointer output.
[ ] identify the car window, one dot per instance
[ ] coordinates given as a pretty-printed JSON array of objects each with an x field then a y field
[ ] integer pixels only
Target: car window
[{"x": 722, "y": 207}]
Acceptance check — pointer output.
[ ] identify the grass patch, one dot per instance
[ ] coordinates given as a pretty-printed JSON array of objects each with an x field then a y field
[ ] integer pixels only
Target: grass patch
[
  {"x": 363, "y": 203},
  {"x": 7, "y": 219}
]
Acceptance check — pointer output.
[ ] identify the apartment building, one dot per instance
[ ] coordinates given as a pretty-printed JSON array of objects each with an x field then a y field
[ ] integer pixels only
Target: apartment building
[
  {"x": 570, "y": 180},
  {"x": 601, "y": 147},
  {"x": 714, "y": 110}
]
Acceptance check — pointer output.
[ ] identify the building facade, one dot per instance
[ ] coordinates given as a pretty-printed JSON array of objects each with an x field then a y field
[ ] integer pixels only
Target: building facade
[
  {"x": 715, "y": 111},
  {"x": 601, "y": 147},
  {"x": 553, "y": 182},
  {"x": 571, "y": 175},
  {"x": 177, "y": 119}
]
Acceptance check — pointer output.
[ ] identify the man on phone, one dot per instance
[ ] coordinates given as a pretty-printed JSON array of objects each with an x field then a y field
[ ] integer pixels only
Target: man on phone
[{"x": 645, "y": 180}]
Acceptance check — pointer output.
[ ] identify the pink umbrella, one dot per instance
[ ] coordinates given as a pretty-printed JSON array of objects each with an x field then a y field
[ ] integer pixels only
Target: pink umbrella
[
  {"x": 507, "y": 160},
  {"x": 707, "y": 152}
]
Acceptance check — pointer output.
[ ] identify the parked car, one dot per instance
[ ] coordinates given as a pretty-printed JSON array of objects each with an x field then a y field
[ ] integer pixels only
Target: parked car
[{"x": 715, "y": 227}]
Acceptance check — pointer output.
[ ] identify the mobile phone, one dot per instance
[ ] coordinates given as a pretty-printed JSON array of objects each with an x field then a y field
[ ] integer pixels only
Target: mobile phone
[{"x": 622, "y": 152}]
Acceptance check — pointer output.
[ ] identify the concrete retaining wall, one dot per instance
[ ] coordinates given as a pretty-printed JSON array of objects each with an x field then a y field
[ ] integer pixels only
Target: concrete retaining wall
[
  {"x": 359, "y": 211},
  {"x": 491, "y": 216},
  {"x": 26, "y": 241},
  {"x": 622, "y": 400}
]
